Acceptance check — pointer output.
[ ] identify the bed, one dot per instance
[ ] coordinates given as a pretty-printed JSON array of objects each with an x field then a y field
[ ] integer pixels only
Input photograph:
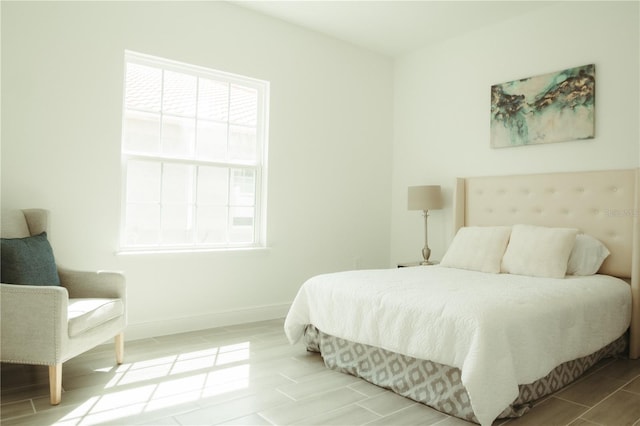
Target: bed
[{"x": 482, "y": 343}]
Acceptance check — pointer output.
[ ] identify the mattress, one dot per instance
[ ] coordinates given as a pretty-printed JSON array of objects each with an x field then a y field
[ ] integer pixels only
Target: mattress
[{"x": 499, "y": 330}]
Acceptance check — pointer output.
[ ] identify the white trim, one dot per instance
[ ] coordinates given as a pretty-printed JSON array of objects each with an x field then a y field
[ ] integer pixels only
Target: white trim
[
  {"x": 205, "y": 321},
  {"x": 187, "y": 250},
  {"x": 200, "y": 71},
  {"x": 257, "y": 167}
]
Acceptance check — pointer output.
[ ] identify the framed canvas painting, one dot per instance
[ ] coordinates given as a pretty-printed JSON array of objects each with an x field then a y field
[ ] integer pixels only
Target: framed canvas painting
[{"x": 548, "y": 108}]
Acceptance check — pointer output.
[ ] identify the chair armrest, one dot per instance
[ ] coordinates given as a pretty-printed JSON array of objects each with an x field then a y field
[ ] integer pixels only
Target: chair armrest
[
  {"x": 25, "y": 309},
  {"x": 107, "y": 284}
]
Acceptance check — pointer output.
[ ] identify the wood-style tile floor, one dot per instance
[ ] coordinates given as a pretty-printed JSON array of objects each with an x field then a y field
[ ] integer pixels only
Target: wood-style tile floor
[{"x": 250, "y": 375}]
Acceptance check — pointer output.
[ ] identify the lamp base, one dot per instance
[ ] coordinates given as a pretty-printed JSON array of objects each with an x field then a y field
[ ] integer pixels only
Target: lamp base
[{"x": 426, "y": 253}]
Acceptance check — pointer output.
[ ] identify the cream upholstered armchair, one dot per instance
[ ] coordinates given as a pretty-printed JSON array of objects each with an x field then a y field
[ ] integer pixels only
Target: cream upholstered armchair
[{"x": 50, "y": 314}]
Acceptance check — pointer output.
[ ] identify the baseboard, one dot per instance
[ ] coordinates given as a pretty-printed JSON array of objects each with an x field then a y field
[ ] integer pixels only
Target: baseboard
[{"x": 163, "y": 327}]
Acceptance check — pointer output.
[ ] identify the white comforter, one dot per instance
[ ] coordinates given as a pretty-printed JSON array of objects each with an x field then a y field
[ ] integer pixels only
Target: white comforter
[{"x": 500, "y": 330}]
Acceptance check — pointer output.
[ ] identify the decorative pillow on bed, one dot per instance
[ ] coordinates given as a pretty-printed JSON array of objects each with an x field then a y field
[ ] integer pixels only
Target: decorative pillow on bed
[
  {"x": 587, "y": 256},
  {"x": 539, "y": 251},
  {"x": 477, "y": 248}
]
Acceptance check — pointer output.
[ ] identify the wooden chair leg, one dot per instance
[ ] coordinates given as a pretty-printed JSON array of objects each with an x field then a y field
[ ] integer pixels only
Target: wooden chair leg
[
  {"x": 55, "y": 384},
  {"x": 119, "y": 348}
]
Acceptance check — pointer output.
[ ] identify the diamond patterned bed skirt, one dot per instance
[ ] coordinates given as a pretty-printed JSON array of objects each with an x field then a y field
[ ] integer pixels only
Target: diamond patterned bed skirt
[{"x": 437, "y": 385}]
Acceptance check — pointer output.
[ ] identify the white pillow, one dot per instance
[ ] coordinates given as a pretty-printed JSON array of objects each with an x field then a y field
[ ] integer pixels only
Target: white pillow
[
  {"x": 539, "y": 251},
  {"x": 478, "y": 248},
  {"x": 587, "y": 256}
]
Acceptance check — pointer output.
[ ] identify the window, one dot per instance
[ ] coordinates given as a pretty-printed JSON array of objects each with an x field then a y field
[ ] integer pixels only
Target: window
[{"x": 193, "y": 152}]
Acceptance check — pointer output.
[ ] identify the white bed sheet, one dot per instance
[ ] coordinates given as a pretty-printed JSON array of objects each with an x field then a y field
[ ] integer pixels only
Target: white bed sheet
[{"x": 500, "y": 330}]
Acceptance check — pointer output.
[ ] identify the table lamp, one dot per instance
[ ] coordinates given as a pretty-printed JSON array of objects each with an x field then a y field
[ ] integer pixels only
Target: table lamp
[{"x": 425, "y": 198}]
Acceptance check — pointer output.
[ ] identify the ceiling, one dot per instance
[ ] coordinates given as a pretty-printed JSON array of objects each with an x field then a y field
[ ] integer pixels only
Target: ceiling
[{"x": 392, "y": 27}]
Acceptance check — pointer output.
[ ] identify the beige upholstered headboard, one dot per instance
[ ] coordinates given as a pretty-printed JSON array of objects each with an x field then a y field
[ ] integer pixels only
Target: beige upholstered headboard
[{"x": 605, "y": 204}]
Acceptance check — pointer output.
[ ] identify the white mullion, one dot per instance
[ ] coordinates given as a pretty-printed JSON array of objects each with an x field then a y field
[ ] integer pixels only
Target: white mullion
[
  {"x": 229, "y": 186},
  {"x": 173, "y": 114},
  {"x": 246, "y": 126},
  {"x": 124, "y": 208},
  {"x": 124, "y": 165},
  {"x": 196, "y": 170},
  {"x": 257, "y": 194},
  {"x": 195, "y": 118},
  {"x": 138, "y": 156},
  {"x": 226, "y": 154},
  {"x": 161, "y": 112},
  {"x": 161, "y": 238},
  {"x": 261, "y": 129},
  {"x": 194, "y": 212},
  {"x": 229, "y": 221},
  {"x": 138, "y": 109}
]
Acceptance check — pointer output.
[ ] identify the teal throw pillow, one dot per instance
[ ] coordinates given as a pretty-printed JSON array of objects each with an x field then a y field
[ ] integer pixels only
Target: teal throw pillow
[{"x": 28, "y": 261}]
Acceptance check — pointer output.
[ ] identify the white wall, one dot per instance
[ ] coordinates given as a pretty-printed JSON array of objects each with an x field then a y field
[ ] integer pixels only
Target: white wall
[
  {"x": 329, "y": 180},
  {"x": 442, "y": 106},
  {"x": 334, "y": 202}
]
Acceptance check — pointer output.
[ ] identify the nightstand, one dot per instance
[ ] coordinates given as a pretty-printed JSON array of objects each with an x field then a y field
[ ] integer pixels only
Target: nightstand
[{"x": 410, "y": 264}]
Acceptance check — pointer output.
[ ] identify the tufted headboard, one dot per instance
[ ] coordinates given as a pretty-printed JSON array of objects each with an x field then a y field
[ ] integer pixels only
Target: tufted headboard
[{"x": 604, "y": 204}]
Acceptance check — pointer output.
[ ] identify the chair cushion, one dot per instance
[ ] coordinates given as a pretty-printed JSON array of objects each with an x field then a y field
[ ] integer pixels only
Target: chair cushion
[
  {"x": 85, "y": 314},
  {"x": 28, "y": 261}
]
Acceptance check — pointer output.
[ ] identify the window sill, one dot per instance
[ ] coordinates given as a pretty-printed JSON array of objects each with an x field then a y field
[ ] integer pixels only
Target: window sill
[{"x": 226, "y": 250}]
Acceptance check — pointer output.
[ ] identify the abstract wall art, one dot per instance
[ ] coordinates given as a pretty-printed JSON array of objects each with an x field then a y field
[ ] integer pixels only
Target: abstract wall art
[{"x": 553, "y": 107}]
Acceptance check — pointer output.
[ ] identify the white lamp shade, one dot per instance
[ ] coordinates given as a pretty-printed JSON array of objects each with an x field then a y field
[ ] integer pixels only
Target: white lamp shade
[{"x": 425, "y": 197}]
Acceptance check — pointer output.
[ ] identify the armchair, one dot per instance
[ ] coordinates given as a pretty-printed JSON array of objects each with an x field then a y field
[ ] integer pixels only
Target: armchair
[{"x": 49, "y": 324}]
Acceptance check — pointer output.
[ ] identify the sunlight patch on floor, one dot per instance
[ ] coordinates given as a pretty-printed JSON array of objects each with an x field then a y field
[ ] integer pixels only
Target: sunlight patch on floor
[{"x": 157, "y": 389}]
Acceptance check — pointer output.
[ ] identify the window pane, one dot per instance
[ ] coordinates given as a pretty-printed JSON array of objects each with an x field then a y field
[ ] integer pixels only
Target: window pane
[
  {"x": 178, "y": 136},
  {"x": 143, "y": 182},
  {"x": 177, "y": 227},
  {"x": 213, "y": 186},
  {"x": 212, "y": 141},
  {"x": 177, "y": 204},
  {"x": 243, "y": 105},
  {"x": 242, "y": 144},
  {"x": 142, "y": 224},
  {"x": 179, "y": 96},
  {"x": 241, "y": 226},
  {"x": 243, "y": 187},
  {"x": 142, "y": 132},
  {"x": 143, "y": 87},
  {"x": 212, "y": 224},
  {"x": 213, "y": 100},
  {"x": 177, "y": 184}
]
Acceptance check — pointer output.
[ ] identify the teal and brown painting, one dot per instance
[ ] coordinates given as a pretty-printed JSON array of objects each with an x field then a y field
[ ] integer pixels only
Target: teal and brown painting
[{"x": 553, "y": 107}]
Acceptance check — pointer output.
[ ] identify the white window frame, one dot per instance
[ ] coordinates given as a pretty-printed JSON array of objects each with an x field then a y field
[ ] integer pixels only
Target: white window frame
[{"x": 259, "y": 167}]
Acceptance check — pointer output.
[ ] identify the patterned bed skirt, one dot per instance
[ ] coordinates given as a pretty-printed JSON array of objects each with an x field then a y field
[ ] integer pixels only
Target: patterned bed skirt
[{"x": 437, "y": 385}]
